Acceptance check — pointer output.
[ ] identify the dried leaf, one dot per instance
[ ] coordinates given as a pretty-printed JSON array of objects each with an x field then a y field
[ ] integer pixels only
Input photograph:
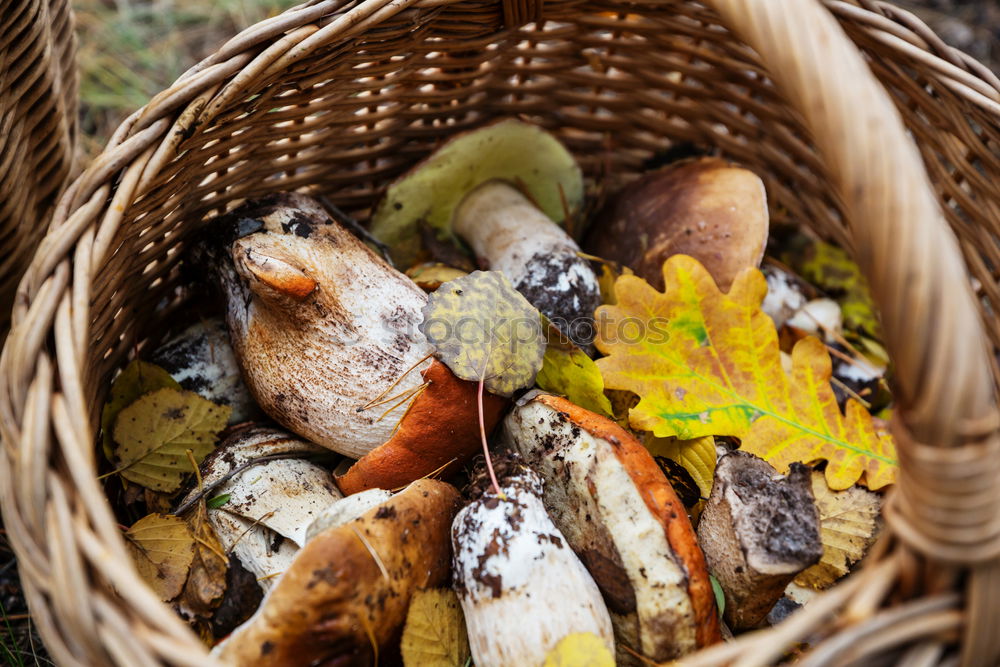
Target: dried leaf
[
  {"x": 206, "y": 583},
  {"x": 568, "y": 371},
  {"x": 162, "y": 547},
  {"x": 431, "y": 276},
  {"x": 580, "y": 649},
  {"x": 849, "y": 524},
  {"x": 606, "y": 280},
  {"x": 135, "y": 380},
  {"x": 434, "y": 634},
  {"x": 484, "y": 329},
  {"x": 698, "y": 457},
  {"x": 154, "y": 433},
  {"x": 708, "y": 363},
  {"x": 833, "y": 271}
]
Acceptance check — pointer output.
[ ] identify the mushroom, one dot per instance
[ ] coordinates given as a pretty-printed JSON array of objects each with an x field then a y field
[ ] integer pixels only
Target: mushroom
[
  {"x": 758, "y": 530},
  {"x": 620, "y": 515},
  {"x": 344, "y": 598},
  {"x": 500, "y": 189},
  {"x": 326, "y": 335},
  {"x": 521, "y": 587},
  {"x": 269, "y": 506},
  {"x": 707, "y": 208},
  {"x": 201, "y": 359}
]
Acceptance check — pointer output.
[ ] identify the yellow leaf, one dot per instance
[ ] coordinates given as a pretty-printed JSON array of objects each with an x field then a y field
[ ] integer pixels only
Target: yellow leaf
[
  {"x": 429, "y": 277},
  {"x": 568, "y": 371},
  {"x": 708, "y": 363},
  {"x": 135, "y": 380},
  {"x": 606, "y": 281},
  {"x": 434, "y": 634},
  {"x": 484, "y": 329},
  {"x": 162, "y": 547},
  {"x": 697, "y": 456},
  {"x": 581, "y": 649},
  {"x": 849, "y": 524},
  {"x": 154, "y": 433}
]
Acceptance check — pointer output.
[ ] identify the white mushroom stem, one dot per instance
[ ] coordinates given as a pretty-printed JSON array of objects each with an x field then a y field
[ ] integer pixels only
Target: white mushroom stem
[
  {"x": 521, "y": 587},
  {"x": 510, "y": 234},
  {"x": 268, "y": 507},
  {"x": 758, "y": 530}
]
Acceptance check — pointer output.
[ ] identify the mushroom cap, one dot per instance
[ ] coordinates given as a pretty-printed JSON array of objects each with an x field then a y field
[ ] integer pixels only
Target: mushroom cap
[
  {"x": 618, "y": 511},
  {"x": 440, "y": 431},
  {"x": 510, "y": 150},
  {"x": 351, "y": 585},
  {"x": 706, "y": 208}
]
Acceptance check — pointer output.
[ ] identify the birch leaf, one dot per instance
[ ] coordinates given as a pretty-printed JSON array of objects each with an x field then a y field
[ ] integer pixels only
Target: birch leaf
[
  {"x": 154, "y": 433},
  {"x": 848, "y": 525},
  {"x": 135, "y": 380},
  {"x": 708, "y": 363},
  {"x": 483, "y": 329},
  {"x": 162, "y": 547},
  {"x": 568, "y": 371},
  {"x": 580, "y": 649},
  {"x": 434, "y": 634}
]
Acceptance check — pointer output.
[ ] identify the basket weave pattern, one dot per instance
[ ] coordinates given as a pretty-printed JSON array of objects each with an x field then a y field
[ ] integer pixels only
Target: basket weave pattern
[
  {"x": 38, "y": 127},
  {"x": 340, "y": 97}
]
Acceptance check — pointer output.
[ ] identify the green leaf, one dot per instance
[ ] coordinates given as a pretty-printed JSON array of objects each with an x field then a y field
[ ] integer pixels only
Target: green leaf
[
  {"x": 154, "y": 433},
  {"x": 484, "y": 329},
  {"x": 720, "y": 596},
  {"x": 568, "y": 371},
  {"x": 137, "y": 379},
  {"x": 218, "y": 501}
]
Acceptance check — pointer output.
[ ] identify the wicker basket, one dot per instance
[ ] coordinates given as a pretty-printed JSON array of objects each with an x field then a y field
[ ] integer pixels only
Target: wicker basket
[
  {"x": 342, "y": 96},
  {"x": 38, "y": 127}
]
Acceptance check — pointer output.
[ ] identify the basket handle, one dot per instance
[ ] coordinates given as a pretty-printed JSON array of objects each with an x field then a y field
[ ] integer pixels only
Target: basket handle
[{"x": 947, "y": 504}]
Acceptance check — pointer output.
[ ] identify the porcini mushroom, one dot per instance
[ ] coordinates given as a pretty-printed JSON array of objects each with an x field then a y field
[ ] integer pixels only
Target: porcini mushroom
[
  {"x": 521, "y": 587},
  {"x": 759, "y": 529},
  {"x": 707, "y": 208},
  {"x": 267, "y": 507},
  {"x": 326, "y": 335},
  {"x": 620, "y": 515},
  {"x": 345, "y": 596},
  {"x": 201, "y": 359},
  {"x": 501, "y": 189}
]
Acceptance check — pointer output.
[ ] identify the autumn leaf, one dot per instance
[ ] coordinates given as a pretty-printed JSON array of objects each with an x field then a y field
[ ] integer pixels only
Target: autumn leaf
[
  {"x": 206, "y": 583},
  {"x": 833, "y": 271},
  {"x": 483, "y": 329},
  {"x": 135, "y": 380},
  {"x": 434, "y": 634},
  {"x": 429, "y": 277},
  {"x": 162, "y": 547},
  {"x": 849, "y": 524},
  {"x": 580, "y": 649},
  {"x": 698, "y": 457},
  {"x": 568, "y": 371},
  {"x": 153, "y": 434},
  {"x": 708, "y": 363}
]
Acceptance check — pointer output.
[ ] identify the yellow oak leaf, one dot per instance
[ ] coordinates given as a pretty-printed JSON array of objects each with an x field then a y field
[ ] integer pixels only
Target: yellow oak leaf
[
  {"x": 708, "y": 363},
  {"x": 848, "y": 525},
  {"x": 580, "y": 649},
  {"x": 434, "y": 634}
]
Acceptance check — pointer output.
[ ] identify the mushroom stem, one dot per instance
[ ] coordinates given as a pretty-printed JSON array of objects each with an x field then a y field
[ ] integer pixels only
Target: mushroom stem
[
  {"x": 521, "y": 587},
  {"x": 758, "y": 530},
  {"x": 510, "y": 234}
]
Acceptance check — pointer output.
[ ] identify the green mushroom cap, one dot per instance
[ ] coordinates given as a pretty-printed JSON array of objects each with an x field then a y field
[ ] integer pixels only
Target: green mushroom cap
[{"x": 521, "y": 153}]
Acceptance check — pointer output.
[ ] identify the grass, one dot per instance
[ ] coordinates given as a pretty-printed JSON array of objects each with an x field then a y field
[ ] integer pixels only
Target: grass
[{"x": 132, "y": 49}]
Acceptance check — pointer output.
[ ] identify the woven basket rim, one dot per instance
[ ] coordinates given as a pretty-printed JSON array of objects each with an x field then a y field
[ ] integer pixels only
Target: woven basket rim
[{"x": 46, "y": 303}]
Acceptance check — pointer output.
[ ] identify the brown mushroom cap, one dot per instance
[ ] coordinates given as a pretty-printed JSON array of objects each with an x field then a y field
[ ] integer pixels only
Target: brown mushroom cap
[
  {"x": 351, "y": 585},
  {"x": 440, "y": 430},
  {"x": 707, "y": 208}
]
